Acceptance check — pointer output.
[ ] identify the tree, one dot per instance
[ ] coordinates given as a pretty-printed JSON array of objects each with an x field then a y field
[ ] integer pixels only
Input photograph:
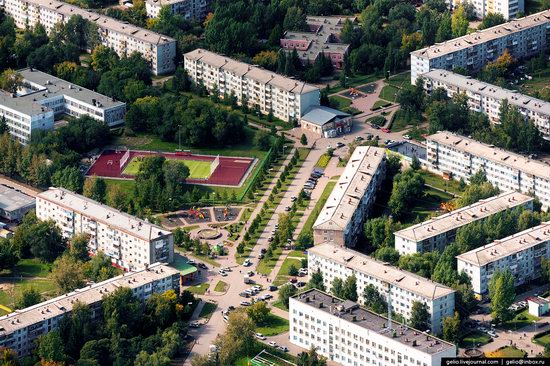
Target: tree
[
  {"x": 415, "y": 163},
  {"x": 420, "y": 317},
  {"x": 266, "y": 59},
  {"x": 117, "y": 197},
  {"x": 350, "y": 288},
  {"x": 8, "y": 254},
  {"x": 286, "y": 292},
  {"x": 387, "y": 254},
  {"x": 69, "y": 178},
  {"x": 175, "y": 174},
  {"x": 407, "y": 186},
  {"x": 303, "y": 139},
  {"x": 68, "y": 274},
  {"x": 295, "y": 19},
  {"x": 237, "y": 339},
  {"x": 459, "y": 22},
  {"x": 95, "y": 188},
  {"x": 10, "y": 80},
  {"x": 103, "y": 59},
  {"x": 445, "y": 29},
  {"x": 337, "y": 288},
  {"x": 451, "y": 328},
  {"x": 78, "y": 247},
  {"x": 121, "y": 312},
  {"x": 100, "y": 268},
  {"x": 29, "y": 297},
  {"x": 311, "y": 358},
  {"x": 491, "y": 20},
  {"x": 316, "y": 280},
  {"x": 262, "y": 139},
  {"x": 373, "y": 300},
  {"x": 502, "y": 294},
  {"x": 46, "y": 242},
  {"x": 258, "y": 312},
  {"x": 50, "y": 347},
  {"x": 4, "y": 125},
  {"x": 292, "y": 270},
  {"x": 545, "y": 269}
]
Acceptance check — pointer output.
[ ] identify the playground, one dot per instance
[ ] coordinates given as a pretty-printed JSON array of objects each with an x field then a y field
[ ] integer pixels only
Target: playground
[{"x": 121, "y": 163}]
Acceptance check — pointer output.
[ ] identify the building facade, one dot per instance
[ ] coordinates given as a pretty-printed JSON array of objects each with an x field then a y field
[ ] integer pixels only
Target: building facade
[
  {"x": 521, "y": 254},
  {"x": 14, "y": 204},
  {"x": 189, "y": 9},
  {"x": 350, "y": 201},
  {"x": 438, "y": 232},
  {"x": 508, "y": 8},
  {"x": 20, "y": 330},
  {"x": 461, "y": 157},
  {"x": 123, "y": 38},
  {"x": 523, "y": 38},
  {"x": 403, "y": 288},
  {"x": 323, "y": 38},
  {"x": 487, "y": 98},
  {"x": 349, "y": 335},
  {"x": 326, "y": 122},
  {"x": 285, "y": 98},
  {"x": 131, "y": 243}
]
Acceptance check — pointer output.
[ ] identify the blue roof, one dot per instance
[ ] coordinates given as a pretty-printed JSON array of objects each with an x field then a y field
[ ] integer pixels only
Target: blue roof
[{"x": 321, "y": 115}]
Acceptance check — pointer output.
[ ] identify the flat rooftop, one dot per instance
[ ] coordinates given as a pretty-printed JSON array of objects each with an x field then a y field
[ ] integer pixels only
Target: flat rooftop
[
  {"x": 91, "y": 294},
  {"x": 497, "y": 155},
  {"x": 464, "y": 216},
  {"x": 382, "y": 271},
  {"x": 483, "y": 36},
  {"x": 243, "y": 69},
  {"x": 489, "y": 90},
  {"x": 132, "y": 225},
  {"x": 507, "y": 246},
  {"x": 353, "y": 313},
  {"x": 11, "y": 199},
  {"x": 350, "y": 188}
]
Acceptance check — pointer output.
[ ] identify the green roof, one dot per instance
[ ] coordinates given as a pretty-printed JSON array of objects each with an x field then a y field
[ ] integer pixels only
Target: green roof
[{"x": 180, "y": 264}]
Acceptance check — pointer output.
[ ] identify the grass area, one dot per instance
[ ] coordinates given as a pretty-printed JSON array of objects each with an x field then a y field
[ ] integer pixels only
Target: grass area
[
  {"x": 506, "y": 352},
  {"x": 257, "y": 347},
  {"x": 426, "y": 206},
  {"x": 265, "y": 266},
  {"x": 208, "y": 309},
  {"x": 323, "y": 161},
  {"x": 274, "y": 325},
  {"x": 14, "y": 289},
  {"x": 279, "y": 305},
  {"x": 28, "y": 267},
  {"x": 380, "y": 104},
  {"x": 318, "y": 207},
  {"x": 221, "y": 286},
  {"x": 473, "y": 338},
  {"x": 540, "y": 81},
  {"x": 197, "y": 169},
  {"x": 521, "y": 320},
  {"x": 283, "y": 276},
  {"x": 437, "y": 181},
  {"x": 543, "y": 339},
  {"x": 532, "y": 6},
  {"x": 389, "y": 93},
  {"x": 400, "y": 121},
  {"x": 377, "y": 120},
  {"x": 199, "y": 289},
  {"x": 339, "y": 102},
  {"x": 297, "y": 253},
  {"x": 402, "y": 80},
  {"x": 356, "y": 80}
]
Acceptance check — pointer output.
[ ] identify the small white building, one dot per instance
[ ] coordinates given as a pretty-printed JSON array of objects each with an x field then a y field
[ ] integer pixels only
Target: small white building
[
  {"x": 538, "y": 306},
  {"x": 349, "y": 335},
  {"x": 326, "y": 122}
]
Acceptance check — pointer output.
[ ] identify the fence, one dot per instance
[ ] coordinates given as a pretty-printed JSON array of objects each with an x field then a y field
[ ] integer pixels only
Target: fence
[{"x": 253, "y": 179}]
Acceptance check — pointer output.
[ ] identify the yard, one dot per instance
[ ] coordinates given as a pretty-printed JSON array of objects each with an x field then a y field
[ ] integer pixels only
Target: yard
[
  {"x": 541, "y": 80},
  {"x": 400, "y": 121},
  {"x": 427, "y": 206},
  {"x": 208, "y": 309},
  {"x": 339, "y": 102},
  {"x": 283, "y": 276},
  {"x": 380, "y": 104},
  {"x": 274, "y": 325},
  {"x": 506, "y": 352},
  {"x": 389, "y": 93},
  {"x": 437, "y": 181},
  {"x": 521, "y": 320},
  {"x": 543, "y": 339},
  {"x": 474, "y": 338},
  {"x": 221, "y": 286},
  {"x": 199, "y": 289},
  {"x": 402, "y": 80}
]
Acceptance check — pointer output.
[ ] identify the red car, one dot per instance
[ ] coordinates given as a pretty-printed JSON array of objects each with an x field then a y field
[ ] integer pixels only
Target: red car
[{"x": 385, "y": 130}]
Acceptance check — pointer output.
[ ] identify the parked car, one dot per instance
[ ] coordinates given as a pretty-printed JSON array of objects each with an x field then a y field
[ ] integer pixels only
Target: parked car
[
  {"x": 282, "y": 348},
  {"x": 339, "y": 145},
  {"x": 203, "y": 266},
  {"x": 273, "y": 344},
  {"x": 244, "y": 294},
  {"x": 293, "y": 198},
  {"x": 247, "y": 263},
  {"x": 222, "y": 273},
  {"x": 287, "y": 208},
  {"x": 260, "y": 336},
  {"x": 273, "y": 288},
  {"x": 194, "y": 324},
  {"x": 246, "y": 303},
  {"x": 263, "y": 250},
  {"x": 268, "y": 296},
  {"x": 492, "y": 334},
  {"x": 359, "y": 138},
  {"x": 261, "y": 256}
]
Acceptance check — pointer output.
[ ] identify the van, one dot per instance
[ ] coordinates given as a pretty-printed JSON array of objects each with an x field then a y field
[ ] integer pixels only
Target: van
[{"x": 247, "y": 279}]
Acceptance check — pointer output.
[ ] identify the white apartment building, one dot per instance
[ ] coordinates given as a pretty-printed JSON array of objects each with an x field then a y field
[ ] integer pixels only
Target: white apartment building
[
  {"x": 42, "y": 97},
  {"x": 508, "y": 8},
  {"x": 189, "y": 9},
  {"x": 487, "y": 98},
  {"x": 131, "y": 243},
  {"x": 461, "y": 157},
  {"x": 523, "y": 38},
  {"x": 19, "y": 330},
  {"x": 286, "y": 98},
  {"x": 124, "y": 38},
  {"x": 350, "y": 201},
  {"x": 349, "y": 335},
  {"x": 438, "y": 232},
  {"x": 520, "y": 253},
  {"x": 403, "y": 287}
]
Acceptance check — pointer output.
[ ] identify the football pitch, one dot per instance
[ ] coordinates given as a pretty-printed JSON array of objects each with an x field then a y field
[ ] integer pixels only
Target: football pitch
[{"x": 197, "y": 169}]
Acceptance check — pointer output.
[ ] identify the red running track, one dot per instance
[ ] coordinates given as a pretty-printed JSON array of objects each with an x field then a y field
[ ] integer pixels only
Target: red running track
[{"x": 230, "y": 171}]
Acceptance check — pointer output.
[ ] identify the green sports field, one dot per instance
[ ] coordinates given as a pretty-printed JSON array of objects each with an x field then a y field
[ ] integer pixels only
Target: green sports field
[{"x": 197, "y": 169}]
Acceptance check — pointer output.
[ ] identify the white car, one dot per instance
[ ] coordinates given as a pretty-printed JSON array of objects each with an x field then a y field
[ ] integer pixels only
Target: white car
[
  {"x": 273, "y": 344},
  {"x": 282, "y": 348},
  {"x": 246, "y": 303},
  {"x": 222, "y": 273},
  {"x": 260, "y": 336},
  {"x": 257, "y": 288},
  {"x": 247, "y": 263},
  {"x": 226, "y": 269},
  {"x": 267, "y": 296}
]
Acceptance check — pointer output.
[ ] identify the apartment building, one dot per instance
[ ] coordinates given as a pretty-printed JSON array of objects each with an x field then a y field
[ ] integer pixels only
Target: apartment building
[
  {"x": 523, "y": 38},
  {"x": 438, "y": 232},
  {"x": 461, "y": 157},
  {"x": 131, "y": 243},
  {"x": 349, "y": 335},
  {"x": 520, "y": 253},
  {"x": 124, "y": 38},
  {"x": 20, "y": 330},
  {"x": 285, "y": 98},
  {"x": 403, "y": 288},
  {"x": 508, "y": 8},
  {"x": 487, "y": 98},
  {"x": 350, "y": 201},
  {"x": 323, "y": 37},
  {"x": 189, "y": 9}
]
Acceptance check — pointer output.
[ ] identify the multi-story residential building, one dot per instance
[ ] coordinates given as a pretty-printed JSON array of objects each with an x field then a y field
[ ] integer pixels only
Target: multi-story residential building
[
  {"x": 349, "y": 335},
  {"x": 323, "y": 38},
  {"x": 19, "y": 330},
  {"x": 523, "y": 38},
  {"x": 438, "y": 232},
  {"x": 123, "y": 38},
  {"x": 461, "y": 157},
  {"x": 41, "y": 97},
  {"x": 285, "y": 98},
  {"x": 350, "y": 201},
  {"x": 131, "y": 243},
  {"x": 487, "y": 98},
  {"x": 520, "y": 253},
  {"x": 189, "y": 9},
  {"x": 401, "y": 287},
  {"x": 508, "y": 8},
  {"x": 14, "y": 204}
]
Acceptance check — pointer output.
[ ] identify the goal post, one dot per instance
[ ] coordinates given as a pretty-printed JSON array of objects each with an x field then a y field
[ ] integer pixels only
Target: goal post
[
  {"x": 214, "y": 165},
  {"x": 124, "y": 159}
]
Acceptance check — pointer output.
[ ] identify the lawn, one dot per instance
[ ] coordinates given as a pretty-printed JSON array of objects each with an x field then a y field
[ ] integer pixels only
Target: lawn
[
  {"x": 283, "y": 276},
  {"x": 541, "y": 80},
  {"x": 197, "y": 169},
  {"x": 356, "y": 80},
  {"x": 199, "y": 289},
  {"x": 339, "y": 102},
  {"x": 543, "y": 340},
  {"x": 389, "y": 93},
  {"x": 437, "y": 181},
  {"x": 279, "y": 305},
  {"x": 208, "y": 309},
  {"x": 323, "y": 161},
  {"x": 425, "y": 207},
  {"x": 521, "y": 320},
  {"x": 15, "y": 288},
  {"x": 400, "y": 121},
  {"x": 380, "y": 104},
  {"x": 402, "y": 80},
  {"x": 377, "y": 120},
  {"x": 265, "y": 266},
  {"x": 318, "y": 207},
  {"x": 221, "y": 286},
  {"x": 28, "y": 267},
  {"x": 273, "y": 326},
  {"x": 473, "y": 338},
  {"x": 506, "y": 352}
]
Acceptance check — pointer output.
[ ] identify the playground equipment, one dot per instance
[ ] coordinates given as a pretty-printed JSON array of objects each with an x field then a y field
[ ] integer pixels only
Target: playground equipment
[
  {"x": 447, "y": 206},
  {"x": 196, "y": 213},
  {"x": 226, "y": 212}
]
